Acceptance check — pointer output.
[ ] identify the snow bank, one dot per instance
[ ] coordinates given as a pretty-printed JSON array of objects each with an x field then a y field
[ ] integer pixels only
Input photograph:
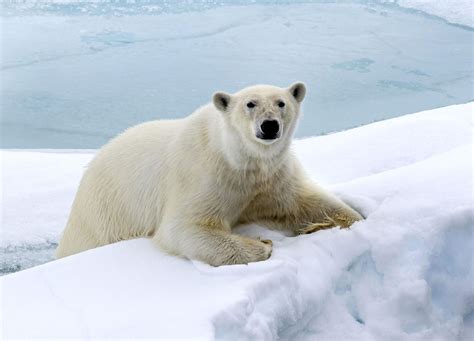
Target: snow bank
[
  {"x": 454, "y": 11},
  {"x": 38, "y": 189},
  {"x": 406, "y": 272}
]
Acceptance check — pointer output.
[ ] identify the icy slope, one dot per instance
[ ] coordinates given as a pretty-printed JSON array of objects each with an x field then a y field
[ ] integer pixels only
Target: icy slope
[{"x": 405, "y": 272}]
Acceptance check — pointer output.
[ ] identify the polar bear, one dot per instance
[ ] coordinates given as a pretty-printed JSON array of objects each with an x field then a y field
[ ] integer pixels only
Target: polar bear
[{"x": 186, "y": 183}]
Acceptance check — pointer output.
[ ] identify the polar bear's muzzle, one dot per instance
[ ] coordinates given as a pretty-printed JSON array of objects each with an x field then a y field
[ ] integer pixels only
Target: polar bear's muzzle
[{"x": 269, "y": 130}]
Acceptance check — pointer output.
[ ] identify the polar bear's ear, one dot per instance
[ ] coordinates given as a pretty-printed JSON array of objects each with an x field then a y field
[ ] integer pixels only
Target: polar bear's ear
[
  {"x": 298, "y": 91},
  {"x": 221, "y": 100}
]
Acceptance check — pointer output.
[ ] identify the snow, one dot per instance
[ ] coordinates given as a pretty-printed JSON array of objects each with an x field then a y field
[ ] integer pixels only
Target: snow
[
  {"x": 454, "y": 11},
  {"x": 406, "y": 272}
]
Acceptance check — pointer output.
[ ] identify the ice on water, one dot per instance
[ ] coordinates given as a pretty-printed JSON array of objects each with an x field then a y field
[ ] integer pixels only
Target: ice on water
[{"x": 75, "y": 75}]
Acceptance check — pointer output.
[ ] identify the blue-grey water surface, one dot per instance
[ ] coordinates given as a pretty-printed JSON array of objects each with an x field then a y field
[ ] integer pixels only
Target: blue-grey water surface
[{"x": 75, "y": 75}]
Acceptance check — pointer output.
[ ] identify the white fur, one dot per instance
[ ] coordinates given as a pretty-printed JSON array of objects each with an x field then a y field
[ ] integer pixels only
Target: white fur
[{"x": 186, "y": 183}]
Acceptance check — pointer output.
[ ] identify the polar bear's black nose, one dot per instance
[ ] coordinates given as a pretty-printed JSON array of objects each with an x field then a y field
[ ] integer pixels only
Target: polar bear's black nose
[{"x": 269, "y": 129}]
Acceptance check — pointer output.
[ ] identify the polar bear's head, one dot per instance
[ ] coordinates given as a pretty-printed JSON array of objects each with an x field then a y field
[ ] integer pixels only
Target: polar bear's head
[{"x": 264, "y": 116}]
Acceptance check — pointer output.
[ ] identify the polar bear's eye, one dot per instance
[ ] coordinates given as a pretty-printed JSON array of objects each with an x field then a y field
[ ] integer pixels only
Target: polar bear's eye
[
  {"x": 251, "y": 105},
  {"x": 281, "y": 104}
]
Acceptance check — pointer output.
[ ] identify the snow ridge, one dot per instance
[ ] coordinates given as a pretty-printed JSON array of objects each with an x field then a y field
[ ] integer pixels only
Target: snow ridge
[{"x": 406, "y": 272}]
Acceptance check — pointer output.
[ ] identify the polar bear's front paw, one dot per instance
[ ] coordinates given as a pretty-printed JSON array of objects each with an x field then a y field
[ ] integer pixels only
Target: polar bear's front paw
[
  {"x": 344, "y": 219},
  {"x": 315, "y": 227},
  {"x": 265, "y": 251},
  {"x": 336, "y": 218},
  {"x": 257, "y": 250}
]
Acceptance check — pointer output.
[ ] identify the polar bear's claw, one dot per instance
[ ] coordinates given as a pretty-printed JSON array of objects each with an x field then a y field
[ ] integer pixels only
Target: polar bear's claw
[{"x": 316, "y": 227}]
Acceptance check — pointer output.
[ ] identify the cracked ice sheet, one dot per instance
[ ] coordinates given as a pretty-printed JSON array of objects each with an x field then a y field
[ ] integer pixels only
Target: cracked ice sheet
[{"x": 403, "y": 273}]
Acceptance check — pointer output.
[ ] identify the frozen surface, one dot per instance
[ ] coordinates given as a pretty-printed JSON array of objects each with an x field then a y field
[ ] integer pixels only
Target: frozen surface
[
  {"x": 406, "y": 272},
  {"x": 37, "y": 192},
  {"x": 74, "y": 75},
  {"x": 455, "y": 11}
]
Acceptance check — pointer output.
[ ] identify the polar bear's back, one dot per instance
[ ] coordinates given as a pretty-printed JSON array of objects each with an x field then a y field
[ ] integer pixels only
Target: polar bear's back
[{"x": 122, "y": 192}]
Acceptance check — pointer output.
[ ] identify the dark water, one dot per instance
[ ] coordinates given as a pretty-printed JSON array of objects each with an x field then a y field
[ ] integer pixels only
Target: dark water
[{"x": 16, "y": 258}]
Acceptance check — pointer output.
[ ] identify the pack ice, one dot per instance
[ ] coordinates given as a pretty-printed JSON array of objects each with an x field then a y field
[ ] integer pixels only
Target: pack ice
[{"x": 406, "y": 272}]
